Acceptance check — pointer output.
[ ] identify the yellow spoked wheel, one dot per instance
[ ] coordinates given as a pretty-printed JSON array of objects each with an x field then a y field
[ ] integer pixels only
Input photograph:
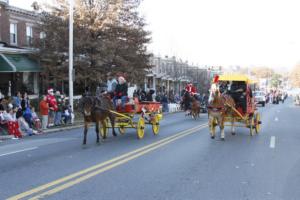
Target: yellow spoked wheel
[
  {"x": 140, "y": 129},
  {"x": 257, "y": 123},
  {"x": 122, "y": 130},
  {"x": 104, "y": 131},
  {"x": 155, "y": 124},
  {"x": 251, "y": 125}
]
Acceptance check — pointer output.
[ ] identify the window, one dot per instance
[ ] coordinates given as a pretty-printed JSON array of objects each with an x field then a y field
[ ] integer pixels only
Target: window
[
  {"x": 29, "y": 35},
  {"x": 13, "y": 34}
]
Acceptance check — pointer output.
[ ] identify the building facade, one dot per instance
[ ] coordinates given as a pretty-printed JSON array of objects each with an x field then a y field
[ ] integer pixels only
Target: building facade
[
  {"x": 18, "y": 30},
  {"x": 170, "y": 75}
]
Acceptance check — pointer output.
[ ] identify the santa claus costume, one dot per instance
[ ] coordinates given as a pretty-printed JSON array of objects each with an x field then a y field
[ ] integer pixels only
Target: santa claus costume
[
  {"x": 51, "y": 100},
  {"x": 191, "y": 89}
]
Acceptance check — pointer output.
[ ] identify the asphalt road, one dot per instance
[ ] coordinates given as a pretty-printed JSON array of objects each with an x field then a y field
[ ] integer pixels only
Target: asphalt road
[{"x": 182, "y": 162}]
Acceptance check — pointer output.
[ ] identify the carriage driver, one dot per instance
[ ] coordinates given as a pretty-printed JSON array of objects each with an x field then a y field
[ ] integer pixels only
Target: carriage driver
[{"x": 121, "y": 92}]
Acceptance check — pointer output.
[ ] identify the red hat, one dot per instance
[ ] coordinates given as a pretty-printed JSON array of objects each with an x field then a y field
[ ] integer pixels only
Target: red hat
[{"x": 216, "y": 79}]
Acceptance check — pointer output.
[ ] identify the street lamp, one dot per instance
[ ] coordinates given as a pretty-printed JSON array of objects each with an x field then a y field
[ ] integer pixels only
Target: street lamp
[{"x": 71, "y": 5}]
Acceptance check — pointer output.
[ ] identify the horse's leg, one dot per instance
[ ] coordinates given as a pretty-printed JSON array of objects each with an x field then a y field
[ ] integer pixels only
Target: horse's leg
[
  {"x": 104, "y": 129},
  {"x": 221, "y": 124},
  {"x": 211, "y": 127},
  {"x": 97, "y": 131},
  {"x": 232, "y": 126},
  {"x": 112, "y": 121},
  {"x": 85, "y": 132}
]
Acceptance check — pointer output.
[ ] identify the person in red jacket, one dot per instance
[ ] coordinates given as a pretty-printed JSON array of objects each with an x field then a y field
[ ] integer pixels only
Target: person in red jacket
[
  {"x": 44, "y": 111},
  {"x": 191, "y": 89},
  {"x": 51, "y": 100}
]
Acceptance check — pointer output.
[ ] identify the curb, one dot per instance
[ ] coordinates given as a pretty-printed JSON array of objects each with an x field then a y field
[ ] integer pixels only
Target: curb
[
  {"x": 6, "y": 137},
  {"x": 52, "y": 130}
]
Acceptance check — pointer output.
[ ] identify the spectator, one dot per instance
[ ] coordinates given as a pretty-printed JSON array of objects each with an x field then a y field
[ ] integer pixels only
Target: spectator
[
  {"x": 24, "y": 126},
  {"x": 25, "y": 101},
  {"x": 44, "y": 110},
  {"x": 164, "y": 101},
  {"x": 13, "y": 125},
  {"x": 60, "y": 101},
  {"x": 67, "y": 114},
  {"x": 3, "y": 122},
  {"x": 52, "y": 106},
  {"x": 36, "y": 121},
  {"x": 17, "y": 100}
]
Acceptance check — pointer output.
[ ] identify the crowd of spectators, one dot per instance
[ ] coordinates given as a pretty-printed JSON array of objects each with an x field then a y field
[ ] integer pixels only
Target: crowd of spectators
[{"x": 18, "y": 116}]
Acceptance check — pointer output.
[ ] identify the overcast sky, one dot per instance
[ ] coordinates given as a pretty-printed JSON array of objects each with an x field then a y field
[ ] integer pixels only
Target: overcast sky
[{"x": 223, "y": 32}]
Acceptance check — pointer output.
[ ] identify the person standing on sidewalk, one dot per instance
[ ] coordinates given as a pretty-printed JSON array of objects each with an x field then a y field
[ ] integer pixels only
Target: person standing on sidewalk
[
  {"x": 52, "y": 106},
  {"x": 60, "y": 102},
  {"x": 44, "y": 111}
]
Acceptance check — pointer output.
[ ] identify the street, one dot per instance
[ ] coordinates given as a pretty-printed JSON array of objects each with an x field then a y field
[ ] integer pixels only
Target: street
[{"x": 181, "y": 163}]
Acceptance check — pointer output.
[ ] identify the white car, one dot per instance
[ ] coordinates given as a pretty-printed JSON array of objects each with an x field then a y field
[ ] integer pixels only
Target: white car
[{"x": 260, "y": 97}]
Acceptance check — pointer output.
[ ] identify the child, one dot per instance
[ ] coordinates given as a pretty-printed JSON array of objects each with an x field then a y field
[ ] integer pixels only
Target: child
[{"x": 36, "y": 121}]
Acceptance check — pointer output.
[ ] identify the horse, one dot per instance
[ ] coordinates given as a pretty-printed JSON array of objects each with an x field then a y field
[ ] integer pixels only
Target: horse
[
  {"x": 219, "y": 106},
  {"x": 186, "y": 102},
  {"x": 195, "y": 108},
  {"x": 97, "y": 109}
]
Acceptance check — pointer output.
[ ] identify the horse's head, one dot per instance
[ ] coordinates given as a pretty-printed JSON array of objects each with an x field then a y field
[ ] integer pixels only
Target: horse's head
[
  {"x": 86, "y": 105},
  {"x": 215, "y": 94}
]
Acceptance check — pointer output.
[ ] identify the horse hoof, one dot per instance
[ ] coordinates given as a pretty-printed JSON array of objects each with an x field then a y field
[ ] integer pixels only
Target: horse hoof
[
  {"x": 115, "y": 135},
  {"x": 233, "y": 133},
  {"x": 222, "y": 139},
  {"x": 212, "y": 137}
]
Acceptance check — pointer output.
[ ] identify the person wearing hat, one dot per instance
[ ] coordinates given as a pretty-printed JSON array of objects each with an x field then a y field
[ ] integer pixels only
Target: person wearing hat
[
  {"x": 52, "y": 106},
  {"x": 121, "y": 92},
  {"x": 190, "y": 89}
]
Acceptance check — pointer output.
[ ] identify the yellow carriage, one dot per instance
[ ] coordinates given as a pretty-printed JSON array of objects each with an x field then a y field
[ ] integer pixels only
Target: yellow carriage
[{"x": 248, "y": 117}]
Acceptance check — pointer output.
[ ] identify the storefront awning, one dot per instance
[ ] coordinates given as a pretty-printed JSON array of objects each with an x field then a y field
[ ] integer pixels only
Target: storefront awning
[
  {"x": 4, "y": 65},
  {"x": 18, "y": 63}
]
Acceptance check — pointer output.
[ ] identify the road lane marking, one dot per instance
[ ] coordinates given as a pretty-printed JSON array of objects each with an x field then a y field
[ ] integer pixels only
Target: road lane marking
[
  {"x": 272, "y": 142},
  {"x": 95, "y": 167},
  {"x": 92, "y": 174},
  {"x": 19, "y": 151}
]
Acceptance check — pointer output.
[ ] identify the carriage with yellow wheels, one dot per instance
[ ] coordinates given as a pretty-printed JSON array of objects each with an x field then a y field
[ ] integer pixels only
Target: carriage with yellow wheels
[
  {"x": 135, "y": 115},
  {"x": 243, "y": 111}
]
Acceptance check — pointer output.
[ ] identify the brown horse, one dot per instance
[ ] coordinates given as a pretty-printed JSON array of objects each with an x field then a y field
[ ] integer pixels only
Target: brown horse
[
  {"x": 219, "y": 106},
  {"x": 96, "y": 109},
  {"x": 195, "y": 108}
]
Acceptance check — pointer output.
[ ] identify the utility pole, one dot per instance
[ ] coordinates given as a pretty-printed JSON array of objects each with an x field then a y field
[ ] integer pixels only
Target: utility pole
[{"x": 71, "y": 74}]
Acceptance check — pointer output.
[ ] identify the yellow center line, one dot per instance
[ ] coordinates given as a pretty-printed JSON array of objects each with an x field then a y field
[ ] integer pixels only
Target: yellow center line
[
  {"x": 92, "y": 174},
  {"x": 82, "y": 172}
]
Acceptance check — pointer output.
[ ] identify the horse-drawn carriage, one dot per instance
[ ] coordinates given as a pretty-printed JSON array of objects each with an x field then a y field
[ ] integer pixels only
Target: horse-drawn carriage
[
  {"x": 231, "y": 104},
  {"x": 135, "y": 115},
  {"x": 147, "y": 113}
]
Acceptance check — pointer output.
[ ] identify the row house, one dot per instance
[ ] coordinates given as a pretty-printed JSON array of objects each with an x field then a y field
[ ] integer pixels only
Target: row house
[
  {"x": 170, "y": 75},
  {"x": 18, "y": 72}
]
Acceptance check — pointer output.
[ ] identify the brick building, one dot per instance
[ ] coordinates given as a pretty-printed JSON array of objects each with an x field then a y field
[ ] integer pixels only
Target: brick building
[{"x": 18, "y": 72}]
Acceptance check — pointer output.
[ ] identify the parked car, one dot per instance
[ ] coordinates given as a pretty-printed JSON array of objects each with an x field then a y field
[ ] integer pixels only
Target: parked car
[{"x": 260, "y": 97}]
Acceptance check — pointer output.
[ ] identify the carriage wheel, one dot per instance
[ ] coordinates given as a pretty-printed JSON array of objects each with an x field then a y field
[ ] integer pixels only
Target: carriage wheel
[
  {"x": 122, "y": 130},
  {"x": 257, "y": 123},
  {"x": 140, "y": 129},
  {"x": 251, "y": 125},
  {"x": 103, "y": 131},
  {"x": 155, "y": 124}
]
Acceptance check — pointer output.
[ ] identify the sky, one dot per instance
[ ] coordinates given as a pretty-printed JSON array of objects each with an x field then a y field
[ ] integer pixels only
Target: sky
[{"x": 223, "y": 32}]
